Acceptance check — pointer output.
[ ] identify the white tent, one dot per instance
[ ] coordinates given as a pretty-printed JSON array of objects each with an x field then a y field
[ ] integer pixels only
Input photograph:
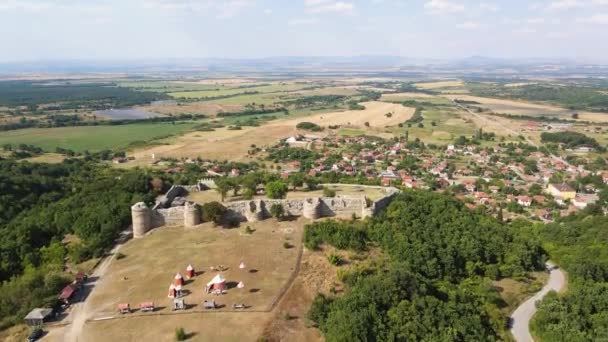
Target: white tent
[
  {"x": 242, "y": 265},
  {"x": 240, "y": 285},
  {"x": 218, "y": 279},
  {"x": 218, "y": 283}
]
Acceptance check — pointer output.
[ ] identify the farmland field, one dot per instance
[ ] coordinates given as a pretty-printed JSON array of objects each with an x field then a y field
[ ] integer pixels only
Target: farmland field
[
  {"x": 92, "y": 138},
  {"x": 503, "y": 106}
]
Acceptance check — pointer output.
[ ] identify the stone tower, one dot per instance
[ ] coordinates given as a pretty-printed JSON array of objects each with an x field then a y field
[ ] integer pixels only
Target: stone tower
[
  {"x": 141, "y": 216},
  {"x": 192, "y": 214},
  {"x": 312, "y": 208}
]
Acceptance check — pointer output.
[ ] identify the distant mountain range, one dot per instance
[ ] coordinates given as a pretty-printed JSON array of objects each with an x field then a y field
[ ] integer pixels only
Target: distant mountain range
[{"x": 295, "y": 64}]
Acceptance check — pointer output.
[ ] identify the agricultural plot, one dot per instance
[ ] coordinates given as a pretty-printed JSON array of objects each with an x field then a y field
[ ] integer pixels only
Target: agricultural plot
[
  {"x": 512, "y": 107},
  {"x": 92, "y": 138}
]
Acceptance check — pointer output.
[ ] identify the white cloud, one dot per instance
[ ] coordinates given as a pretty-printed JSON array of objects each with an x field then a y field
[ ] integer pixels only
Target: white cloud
[
  {"x": 566, "y": 4},
  {"x": 595, "y": 19},
  {"x": 268, "y": 11},
  {"x": 221, "y": 9},
  {"x": 325, "y": 6},
  {"x": 535, "y": 21},
  {"x": 525, "y": 30},
  {"x": 484, "y": 6},
  {"x": 46, "y": 6},
  {"x": 302, "y": 21},
  {"x": 468, "y": 25},
  {"x": 443, "y": 6}
]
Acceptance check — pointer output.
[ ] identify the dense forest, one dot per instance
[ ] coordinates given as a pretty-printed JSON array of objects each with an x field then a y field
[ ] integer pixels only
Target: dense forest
[
  {"x": 570, "y": 139},
  {"x": 72, "y": 95},
  {"x": 572, "y": 97},
  {"x": 41, "y": 204},
  {"x": 436, "y": 286},
  {"x": 579, "y": 243}
]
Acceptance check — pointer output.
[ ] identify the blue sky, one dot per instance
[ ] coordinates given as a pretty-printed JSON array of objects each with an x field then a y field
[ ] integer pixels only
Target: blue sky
[{"x": 133, "y": 29}]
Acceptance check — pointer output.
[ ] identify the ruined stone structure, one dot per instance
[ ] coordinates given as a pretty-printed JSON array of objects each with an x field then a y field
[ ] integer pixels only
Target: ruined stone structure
[
  {"x": 140, "y": 214},
  {"x": 189, "y": 215},
  {"x": 192, "y": 214}
]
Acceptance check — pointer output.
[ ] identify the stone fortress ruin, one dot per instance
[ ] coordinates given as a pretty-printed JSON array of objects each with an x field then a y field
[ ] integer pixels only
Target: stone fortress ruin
[{"x": 174, "y": 210}]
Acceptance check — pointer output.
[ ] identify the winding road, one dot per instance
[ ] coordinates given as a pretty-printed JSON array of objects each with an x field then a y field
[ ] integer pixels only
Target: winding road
[{"x": 523, "y": 314}]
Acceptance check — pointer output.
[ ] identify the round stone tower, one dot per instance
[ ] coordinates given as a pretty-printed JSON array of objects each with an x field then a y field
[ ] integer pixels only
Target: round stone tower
[
  {"x": 140, "y": 214},
  {"x": 254, "y": 211},
  {"x": 192, "y": 214},
  {"x": 312, "y": 208}
]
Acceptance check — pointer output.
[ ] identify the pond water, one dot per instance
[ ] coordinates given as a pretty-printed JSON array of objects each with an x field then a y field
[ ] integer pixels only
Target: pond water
[{"x": 126, "y": 114}]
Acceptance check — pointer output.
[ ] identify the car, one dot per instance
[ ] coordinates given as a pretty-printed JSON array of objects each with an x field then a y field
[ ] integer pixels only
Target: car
[{"x": 35, "y": 335}]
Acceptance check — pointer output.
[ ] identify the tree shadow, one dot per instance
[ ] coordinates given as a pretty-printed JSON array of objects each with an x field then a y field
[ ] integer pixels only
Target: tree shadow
[
  {"x": 254, "y": 290},
  {"x": 253, "y": 270},
  {"x": 190, "y": 335},
  {"x": 231, "y": 284}
]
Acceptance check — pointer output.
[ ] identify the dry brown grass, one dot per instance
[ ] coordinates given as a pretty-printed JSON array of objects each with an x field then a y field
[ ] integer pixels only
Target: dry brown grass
[
  {"x": 527, "y": 108},
  {"x": 150, "y": 264},
  {"x": 374, "y": 114},
  {"x": 224, "y": 144},
  {"x": 206, "y": 108},
  {"x": 439, "y": 84},
  {"x": 399, "y": 96}
]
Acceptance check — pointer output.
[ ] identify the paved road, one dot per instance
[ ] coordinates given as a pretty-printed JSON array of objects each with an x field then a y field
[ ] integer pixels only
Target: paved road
[{"x": 521, "y": 317}]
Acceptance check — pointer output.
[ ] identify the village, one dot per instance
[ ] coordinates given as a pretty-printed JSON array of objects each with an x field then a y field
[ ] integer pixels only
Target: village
[{"x": 510, "y": 179}]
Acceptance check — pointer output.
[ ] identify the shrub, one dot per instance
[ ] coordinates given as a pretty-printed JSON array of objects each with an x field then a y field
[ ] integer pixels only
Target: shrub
[
  {"x": 248, "y": 230},
  {"x": 334, "y": 259},
  {"x": 276, "y": 190},
  {"x": 309, "y": 126},
  {"x": 213, "y": 212},
  {"x": 120, "y": 256},
  {"x": 286, "y": 245},
  {"x": 277, "y": 211},
  {"x": 180, "y": 334},
  {"x": 327, "y": 192}
]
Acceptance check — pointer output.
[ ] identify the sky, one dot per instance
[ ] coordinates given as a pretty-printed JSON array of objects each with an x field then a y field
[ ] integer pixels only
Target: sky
[{"x": 32, "y": 30}]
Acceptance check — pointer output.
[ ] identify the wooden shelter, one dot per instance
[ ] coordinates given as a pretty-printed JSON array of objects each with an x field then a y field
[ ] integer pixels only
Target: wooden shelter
[
  {"x": 178, "y": 304},
  {"x": 124, "y": 308},
  {"x": 146, "y": 306},
  {"x": 38, "y": 316}
]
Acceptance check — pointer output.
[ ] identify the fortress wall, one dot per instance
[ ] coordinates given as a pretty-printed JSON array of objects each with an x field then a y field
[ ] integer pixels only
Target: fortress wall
[
  {"x": 255, "y": 210},
  {"x": 168, "y": 217}
]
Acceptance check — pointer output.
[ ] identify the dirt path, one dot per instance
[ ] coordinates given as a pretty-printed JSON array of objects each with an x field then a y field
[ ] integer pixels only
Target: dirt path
[
  {"x": 523, "y": 314},
  {"x": 80, "y": 311}
]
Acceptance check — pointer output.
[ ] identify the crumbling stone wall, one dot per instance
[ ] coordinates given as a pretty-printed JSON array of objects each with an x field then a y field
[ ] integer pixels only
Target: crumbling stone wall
[{"x": 255, "y": 210}]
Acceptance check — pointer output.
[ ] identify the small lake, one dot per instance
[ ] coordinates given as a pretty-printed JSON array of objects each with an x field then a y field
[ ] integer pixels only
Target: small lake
[{"x": 126, "y": 114}]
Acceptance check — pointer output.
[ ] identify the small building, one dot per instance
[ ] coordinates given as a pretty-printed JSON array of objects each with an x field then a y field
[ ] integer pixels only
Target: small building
[
  {"x": 38, "y": 316},
  {"x": 178, "y": 304},
  {"x": 562, "y": 190},
  {"x": 67, "y": 293},
  {"x": 524, "y": 201}
]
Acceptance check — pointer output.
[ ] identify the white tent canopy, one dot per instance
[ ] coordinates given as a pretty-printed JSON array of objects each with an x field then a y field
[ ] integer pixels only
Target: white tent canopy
[{"x": 218, "y": 279}]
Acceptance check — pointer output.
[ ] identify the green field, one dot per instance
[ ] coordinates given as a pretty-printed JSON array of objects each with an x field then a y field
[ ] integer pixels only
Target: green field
[
  {"x": 350, "y": 132},
  {"x": 271, "y": 88},
  {"x": 92, "y": 138}
]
